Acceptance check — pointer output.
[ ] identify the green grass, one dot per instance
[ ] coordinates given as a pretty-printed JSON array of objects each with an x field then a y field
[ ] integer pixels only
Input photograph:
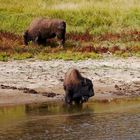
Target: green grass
[
  {"x": 65, "y": 55},
  {"x": 97, "y": 16},
  {"x": 22, "y": 56},
  {"x": 114, "y": 25},
  {"x": 3, "y": 57},
  {"x": 68, "y": 56}
]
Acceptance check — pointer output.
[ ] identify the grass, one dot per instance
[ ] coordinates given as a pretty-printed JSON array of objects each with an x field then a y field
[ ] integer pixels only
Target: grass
[
  {"x": 94, "y": 27},
  {"x": 81, "y": 15},
  {"x": 3, "y": 57},
  {"x": 22, "y": 56},
  {"x": 78, "y": 46},
  {"x": 68, "y": 56}
]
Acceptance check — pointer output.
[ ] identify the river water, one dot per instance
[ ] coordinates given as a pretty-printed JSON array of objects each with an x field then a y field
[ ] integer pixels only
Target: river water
[{"x": 117, "y": 120}]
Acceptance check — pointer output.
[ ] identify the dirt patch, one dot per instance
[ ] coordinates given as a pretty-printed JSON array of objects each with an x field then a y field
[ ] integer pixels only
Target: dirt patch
[
  {"x": 13, "y": 43},
  {"x": 80, "y": 36},
  {"x": 129, "y": 35},
  {"x": 10, "y": 36},
  {"x": 10, "y": 41},
  {"x": 29, "y": 91},
  {"x": 128, "y": 89},
  {"x": 25, "y": 90}
]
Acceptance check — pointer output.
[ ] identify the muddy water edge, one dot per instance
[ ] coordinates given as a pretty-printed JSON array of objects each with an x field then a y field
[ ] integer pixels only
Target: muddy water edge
[{"x": 118, "y": 119}]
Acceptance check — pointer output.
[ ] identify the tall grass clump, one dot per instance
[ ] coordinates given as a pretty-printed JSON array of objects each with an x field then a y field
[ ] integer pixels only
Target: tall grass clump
[{"x": 3, "y": 57}]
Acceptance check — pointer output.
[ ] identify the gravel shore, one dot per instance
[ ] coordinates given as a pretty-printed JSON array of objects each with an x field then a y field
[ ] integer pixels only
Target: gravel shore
[{"x": 112, "y": 78}]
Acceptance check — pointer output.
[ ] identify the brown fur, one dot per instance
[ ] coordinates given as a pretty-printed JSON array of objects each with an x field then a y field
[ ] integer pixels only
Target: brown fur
[
  {"x": 73, "y": 77},
  {"x": 42, "y": 29},
  {"x": 77, "y": 87}
]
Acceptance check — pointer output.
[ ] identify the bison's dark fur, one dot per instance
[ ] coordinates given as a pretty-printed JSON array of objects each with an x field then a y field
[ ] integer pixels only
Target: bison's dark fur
[
  {"x": 77, "y": 88},
  {"x": 42, "y": 29}
]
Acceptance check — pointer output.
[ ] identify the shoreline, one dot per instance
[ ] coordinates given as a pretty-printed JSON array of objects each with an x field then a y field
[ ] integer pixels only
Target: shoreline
[
  {"x": 39, "y": 99},
  {"x": 112, "y": 79}
]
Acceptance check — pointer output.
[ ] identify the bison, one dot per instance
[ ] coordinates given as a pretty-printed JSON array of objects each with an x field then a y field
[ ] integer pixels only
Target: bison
[
  {"x": 42, "y": 29},
  {"x": 78, "y": 89}
]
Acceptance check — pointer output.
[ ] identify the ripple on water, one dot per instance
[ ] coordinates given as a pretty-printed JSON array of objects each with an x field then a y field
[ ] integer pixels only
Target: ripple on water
[{"x": 115, "y": 120}]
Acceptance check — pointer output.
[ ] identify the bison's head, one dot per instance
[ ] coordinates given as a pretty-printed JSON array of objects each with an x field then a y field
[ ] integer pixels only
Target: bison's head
[{"x": 86, "y": 90}]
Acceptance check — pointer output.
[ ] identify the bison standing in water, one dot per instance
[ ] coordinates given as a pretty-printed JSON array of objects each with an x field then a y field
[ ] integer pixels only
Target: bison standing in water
[
  {"x": 77, "y": 88},
  {"x": 42, "y": 29}
]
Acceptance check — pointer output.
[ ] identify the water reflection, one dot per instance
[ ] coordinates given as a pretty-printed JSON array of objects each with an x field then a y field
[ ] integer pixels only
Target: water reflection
[
  {"x": 10, "y": 114},
  {"x": 55, "y": 121},
  {"x": 57, "y": 109}
]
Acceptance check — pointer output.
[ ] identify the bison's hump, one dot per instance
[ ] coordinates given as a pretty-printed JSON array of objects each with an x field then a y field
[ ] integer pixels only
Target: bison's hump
[
  {"x": 72, "y": 77},
  {"x": 41, "y": 21},
  {"x": 39, "y": 24}
]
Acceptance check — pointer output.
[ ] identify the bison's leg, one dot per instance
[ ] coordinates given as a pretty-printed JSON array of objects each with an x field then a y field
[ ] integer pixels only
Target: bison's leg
[
  {"x": 78, "y": 100},
  {"x": 68, "y": 97},
  {"x": 52, "y": 35},
  {"x": 61, "y": 37},
  {"x": 40, "y": 40}
]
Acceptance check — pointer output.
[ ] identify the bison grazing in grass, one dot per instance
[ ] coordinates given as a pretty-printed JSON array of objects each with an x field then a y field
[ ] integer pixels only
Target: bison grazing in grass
[
  {"x": 77, "y": 88},
  {"x": 42, "y": 29}
]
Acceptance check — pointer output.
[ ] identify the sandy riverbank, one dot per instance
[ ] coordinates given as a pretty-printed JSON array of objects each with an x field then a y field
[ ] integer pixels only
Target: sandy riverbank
[{"x": 112, "y": 78}]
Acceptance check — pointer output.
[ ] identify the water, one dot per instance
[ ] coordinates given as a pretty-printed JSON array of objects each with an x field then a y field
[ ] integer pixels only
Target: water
[{"x": 117, "y": 120}]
